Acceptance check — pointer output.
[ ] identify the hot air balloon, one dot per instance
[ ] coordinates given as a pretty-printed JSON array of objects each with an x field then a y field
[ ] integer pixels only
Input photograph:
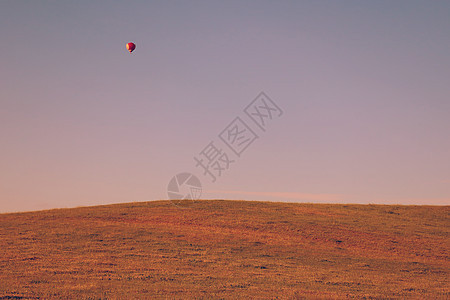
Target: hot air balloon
[{"x": 131, "y": 47}]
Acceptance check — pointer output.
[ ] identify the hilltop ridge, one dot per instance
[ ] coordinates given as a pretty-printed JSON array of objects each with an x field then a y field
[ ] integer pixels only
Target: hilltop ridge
[{"x": 226, "y": 249}]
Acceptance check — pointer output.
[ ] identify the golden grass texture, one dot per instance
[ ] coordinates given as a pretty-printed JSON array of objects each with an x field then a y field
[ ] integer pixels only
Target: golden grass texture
[{"x": 219, "y": 249}]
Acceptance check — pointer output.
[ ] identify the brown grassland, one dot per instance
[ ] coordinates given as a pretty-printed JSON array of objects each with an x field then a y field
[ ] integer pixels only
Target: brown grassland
[{"x": 219, "y": 249}]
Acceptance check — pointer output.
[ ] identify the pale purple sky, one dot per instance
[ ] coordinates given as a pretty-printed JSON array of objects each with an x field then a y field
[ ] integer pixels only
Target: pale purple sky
[{"x": 364, "y": 86}]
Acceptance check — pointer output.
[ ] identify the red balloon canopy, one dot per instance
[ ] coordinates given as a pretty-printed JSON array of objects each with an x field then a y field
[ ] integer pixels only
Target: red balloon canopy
[{"x": 131, "y": 47}]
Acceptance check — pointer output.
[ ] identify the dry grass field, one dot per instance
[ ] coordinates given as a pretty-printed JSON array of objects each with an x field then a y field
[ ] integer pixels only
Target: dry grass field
[{"x": 226, "y": 250}]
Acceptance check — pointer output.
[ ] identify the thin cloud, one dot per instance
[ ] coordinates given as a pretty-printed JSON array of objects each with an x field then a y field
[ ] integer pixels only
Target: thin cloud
[
  {"x": 286, "y": 195},
  {"x": 334, "y": 198}
]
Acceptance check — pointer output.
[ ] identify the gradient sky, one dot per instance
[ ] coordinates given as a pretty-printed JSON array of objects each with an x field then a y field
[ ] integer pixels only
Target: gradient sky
[{"x": 364, "y": 86}]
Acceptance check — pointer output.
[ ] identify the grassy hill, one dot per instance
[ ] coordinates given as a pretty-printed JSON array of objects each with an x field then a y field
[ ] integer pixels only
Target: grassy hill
[{"x": 226, "y": 249}]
